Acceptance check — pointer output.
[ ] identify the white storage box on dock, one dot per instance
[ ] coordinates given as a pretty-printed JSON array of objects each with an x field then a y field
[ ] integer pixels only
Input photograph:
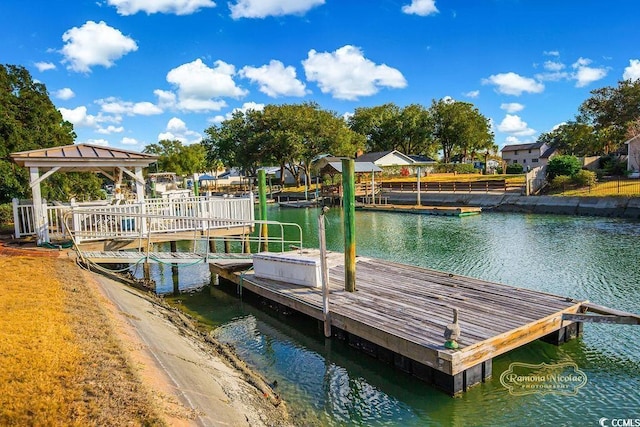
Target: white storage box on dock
[{"x": 290, "y": 267}]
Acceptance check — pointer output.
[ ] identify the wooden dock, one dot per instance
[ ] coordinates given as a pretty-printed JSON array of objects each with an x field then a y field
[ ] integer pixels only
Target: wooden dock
[
  {"x": 423, "y": 210},
  {"x": 399, "y": 312}
]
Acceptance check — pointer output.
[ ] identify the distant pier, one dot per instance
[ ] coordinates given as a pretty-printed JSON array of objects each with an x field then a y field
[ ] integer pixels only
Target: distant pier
[{"x": 424, "y": 210}]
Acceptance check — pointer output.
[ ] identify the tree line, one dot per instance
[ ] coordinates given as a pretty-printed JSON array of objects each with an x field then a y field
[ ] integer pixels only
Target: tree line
[
  {"x": 608, "y": 118},
  {"x": 293, "y": 135}
]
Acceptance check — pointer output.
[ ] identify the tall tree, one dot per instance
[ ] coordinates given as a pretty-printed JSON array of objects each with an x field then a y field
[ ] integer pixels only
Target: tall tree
[
  {"x": 388, "y": 127},
  {"x": 289, "y": 135},
  {"x": 459, "y": 128},
  {"x": 610, "y": 110},
  {"x": 30, "y": 121},
  {"x": 377, "y": 124},
  {"x": 178, "y": 158},
  {"x": 237, "y": 142},
  {"x": 574, "y": 138}
]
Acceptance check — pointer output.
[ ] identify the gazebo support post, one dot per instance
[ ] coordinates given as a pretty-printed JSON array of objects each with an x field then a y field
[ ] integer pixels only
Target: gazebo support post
[{"x": 39, "y": 214}]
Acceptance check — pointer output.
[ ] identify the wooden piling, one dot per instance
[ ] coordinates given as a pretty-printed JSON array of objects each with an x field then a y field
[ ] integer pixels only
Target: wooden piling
[
  {"x": 325, "y": 273},
  {"x": 349, "y": 206},
  {"x": 175, "y": 276}
]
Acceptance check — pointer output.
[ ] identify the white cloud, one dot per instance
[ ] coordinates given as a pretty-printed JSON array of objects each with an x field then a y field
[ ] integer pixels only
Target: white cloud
[
  {"x": 510, "y": 140},
  {"x": 553, "y": 65},
  {"x": 472, "y": 94},
  {"x": 264, "y": 8},
  {"x": 585, "y": 74},
  {"x": 177, "y": 7},
  {"x": 102, "y": 142},
  {"x": 94, "y": 44},
  {"x": 45, "y": 66},
  {"x": 275, "y": 79},
  {"x": 177, "y": 130},
  {"x": 551, "y": 53},
  {"x": 632, "y": 72},
  {"x": 558, "y": 125},
  {"x": 109, "y": 130},
  {"x": 79, "y": 117},
  {"x": 166, "y": 98},
  {"x": 128, "y": 141},
  {"x": 513, "y": 84},
  {"x": 64, "y": 93},
  {"x": 553, "y": 76},
  {"x": 198, "y": 85},
  {"x": 512, "y": 107},
  {"x": 514, "y": 125},
  {"x": 347, "y": 74},
  {"x": 116, "y": 106},
  {"x": 420, "y": 7},
  {"x": 245, "y": 107}
]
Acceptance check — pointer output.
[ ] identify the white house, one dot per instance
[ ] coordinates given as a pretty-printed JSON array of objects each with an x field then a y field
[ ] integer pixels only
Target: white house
[
  {"x": 528, "y": 155},
  {"x": 393, "y": 159},
  {"x": 633, "y": 159}
]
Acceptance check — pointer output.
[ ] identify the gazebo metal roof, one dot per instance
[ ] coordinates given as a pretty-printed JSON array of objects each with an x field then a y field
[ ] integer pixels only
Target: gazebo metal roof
[{"x": 82, "y": 157}]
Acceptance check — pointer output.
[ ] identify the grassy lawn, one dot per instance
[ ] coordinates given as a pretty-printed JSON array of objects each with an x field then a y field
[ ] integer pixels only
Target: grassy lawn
[
  {"x": 61, "y": 363},
  {"x": 621, "y": 188}
]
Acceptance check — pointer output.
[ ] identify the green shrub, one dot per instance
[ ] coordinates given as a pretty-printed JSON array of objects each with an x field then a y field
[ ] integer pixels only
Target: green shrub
[
  {"x": 6, "y": 214},
  {"x": 613, "y": 165},
  {"x": 515, "y": 169},
  {"x": 560, "y": 182},
  {"x": 563, "y": 165},
  {"x": 584, "y": 178}
]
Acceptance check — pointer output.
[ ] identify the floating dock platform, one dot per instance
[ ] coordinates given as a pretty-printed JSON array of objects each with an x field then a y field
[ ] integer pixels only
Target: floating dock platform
[
  {"x": 423, "y": 210},
  {"x": 399, "y": 312}
]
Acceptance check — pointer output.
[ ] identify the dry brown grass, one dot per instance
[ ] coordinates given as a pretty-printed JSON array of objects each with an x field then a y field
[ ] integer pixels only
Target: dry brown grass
[{"x": 61, "y": 363}]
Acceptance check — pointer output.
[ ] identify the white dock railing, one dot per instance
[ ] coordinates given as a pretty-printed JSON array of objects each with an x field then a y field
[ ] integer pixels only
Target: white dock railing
[{"x": 100, "y": 221}]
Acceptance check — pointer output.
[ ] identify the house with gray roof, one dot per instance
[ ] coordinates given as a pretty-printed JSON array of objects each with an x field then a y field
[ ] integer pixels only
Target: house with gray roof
[{"x": 528, "y": 155}]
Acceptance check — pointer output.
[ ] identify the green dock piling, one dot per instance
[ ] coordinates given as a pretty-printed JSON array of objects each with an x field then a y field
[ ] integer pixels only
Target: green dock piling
[{"x": 349, "y": 206}]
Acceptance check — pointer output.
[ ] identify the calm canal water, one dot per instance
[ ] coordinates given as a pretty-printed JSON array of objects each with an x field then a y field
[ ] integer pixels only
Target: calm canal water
[{"x": 328, "y": 383}]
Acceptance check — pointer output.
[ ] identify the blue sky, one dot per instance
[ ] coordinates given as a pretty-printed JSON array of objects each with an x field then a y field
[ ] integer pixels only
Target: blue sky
[{"x": 127, "y": 73}]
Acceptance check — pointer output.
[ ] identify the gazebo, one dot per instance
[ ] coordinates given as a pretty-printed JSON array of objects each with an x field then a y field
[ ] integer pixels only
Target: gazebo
[{"x": 111, "y": 162}]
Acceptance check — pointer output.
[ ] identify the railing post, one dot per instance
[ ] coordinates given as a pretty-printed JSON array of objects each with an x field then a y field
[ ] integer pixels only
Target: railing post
[
  {"x": 75, "y": 220},
  {"x": 16, "y": 218}
]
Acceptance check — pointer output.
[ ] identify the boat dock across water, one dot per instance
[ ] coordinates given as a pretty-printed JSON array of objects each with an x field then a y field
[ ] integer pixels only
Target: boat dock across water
[{"x": 423, "y": 210}]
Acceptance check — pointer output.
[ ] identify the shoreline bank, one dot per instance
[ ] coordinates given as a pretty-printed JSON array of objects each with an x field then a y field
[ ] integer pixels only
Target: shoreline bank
[
  {"x": 615, "y": 207},
  {"x": 139, "y": 360}
]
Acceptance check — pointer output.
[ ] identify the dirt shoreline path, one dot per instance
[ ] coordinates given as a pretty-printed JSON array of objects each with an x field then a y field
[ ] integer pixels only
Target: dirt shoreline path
[{"x": 192, "y": 384}]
